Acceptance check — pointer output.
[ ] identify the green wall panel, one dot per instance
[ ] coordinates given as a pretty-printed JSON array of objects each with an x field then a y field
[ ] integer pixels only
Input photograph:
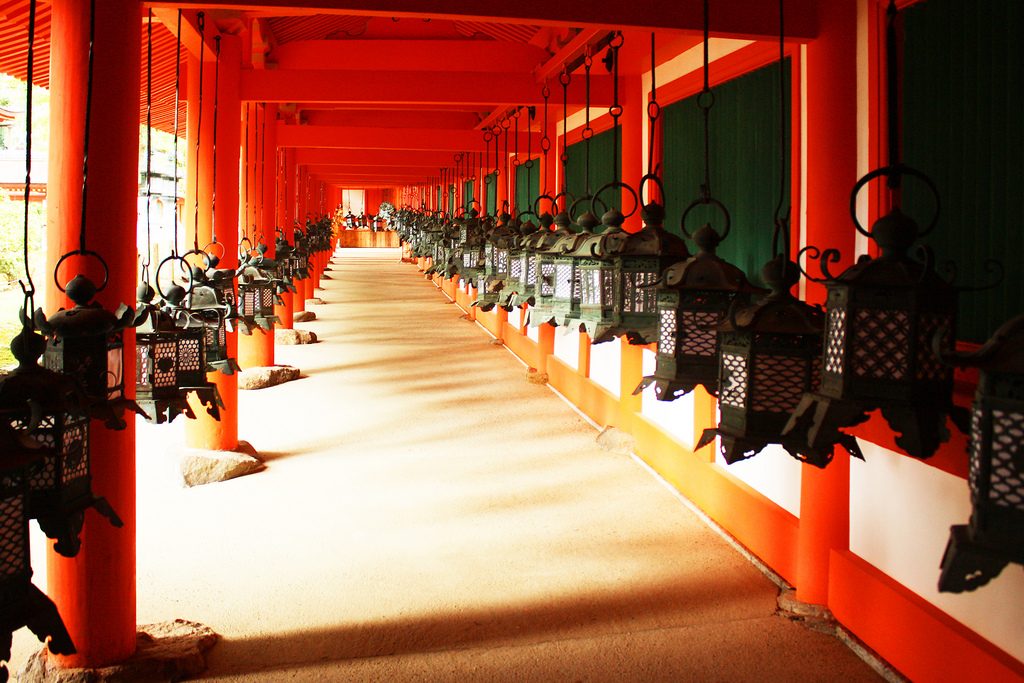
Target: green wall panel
[
  {"x": 527, "y": 192},
  {"x": 963, "y": 116},
  {"x": 745, "y": 168}
]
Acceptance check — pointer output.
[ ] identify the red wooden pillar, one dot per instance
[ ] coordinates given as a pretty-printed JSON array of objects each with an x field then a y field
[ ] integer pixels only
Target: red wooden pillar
[
  {"x": 831, "y": 76},
  {"x": 204, "y": 431},
  {"x": 632, "y": 122},
  {"x": 257, "y": 349},
  {"x": 95, "y": 591}
]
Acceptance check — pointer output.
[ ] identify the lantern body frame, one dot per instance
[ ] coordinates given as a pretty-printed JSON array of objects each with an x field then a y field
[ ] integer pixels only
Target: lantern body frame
[
  {"x": 21, "y": 603},
  {"x": 994, "y": 537},
  {"x": 170, "y": 363},
  {"x": 884, "y": 319},
  {"x": 770, "y": 356}
]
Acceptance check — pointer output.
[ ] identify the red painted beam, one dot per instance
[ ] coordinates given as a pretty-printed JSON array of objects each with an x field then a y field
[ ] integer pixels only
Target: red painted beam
[
  {"x": 408, "y": 118},
  {"x": 413, "y": 87},
  {"x": 189, "y": 30},
  {"x": 409, "y": 55},
  {"x": 741, "y": 19},
  {"x": 368, "y": 157},
  {"x": 382, "y": 138}
]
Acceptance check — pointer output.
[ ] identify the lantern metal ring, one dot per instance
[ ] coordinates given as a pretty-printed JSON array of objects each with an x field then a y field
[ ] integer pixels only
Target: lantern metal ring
[
  {"x": 707, "y": 201},
  {"x": 169, "y": 259},
  {"x": 894, "y": 173},
  {"x": 241, "y": 251},
  {"x": 612, "y": 185},
  {"x": 206, "y": 250},
  {"x": 82, "y": 252}
]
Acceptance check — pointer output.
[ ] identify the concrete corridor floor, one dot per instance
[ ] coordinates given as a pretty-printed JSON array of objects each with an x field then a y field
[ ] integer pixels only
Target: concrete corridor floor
[{"x": 428, "y": 515}]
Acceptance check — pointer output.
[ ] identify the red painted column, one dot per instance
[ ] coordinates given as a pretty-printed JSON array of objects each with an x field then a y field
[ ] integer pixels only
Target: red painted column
[
  {"x": 95, "y": 591},
  {"x": 298, "y": 297},
  {"x": 204, "y": 431},
  {"x": 256, "y": 349},
  {"x": 633, "y": 113},
  {"x": 831, "y": 71}
]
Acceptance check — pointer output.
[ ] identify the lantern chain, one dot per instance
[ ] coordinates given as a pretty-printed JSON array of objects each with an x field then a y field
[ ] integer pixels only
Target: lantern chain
[
  {"x": 28, "y": 287},
  {"x": 216, "y": 103},
  {"x": 245, "y": 223},
  {"x": 782, "y": 219},
  {"x": 177, "y": 101},
  {"x": 564, "y": 78},
  {"x": 706, "y": 100},
  {"x": 146, "y": 259},
  {"x": 545, "y": 140},
  {"x": 588, "y": 131},
  {"x": 201, "y": 21},
  {"x": 262, "y": 149},
  {"x": 88, "y": 121},
  {"x": 653, "y": 112}
]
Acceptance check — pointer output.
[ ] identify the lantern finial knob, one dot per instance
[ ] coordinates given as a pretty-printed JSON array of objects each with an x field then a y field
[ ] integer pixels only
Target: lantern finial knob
[
  {"x": 706, "y": 239},
  {"x": 81, "y": 290},
  {"x": 653, "y": 213},
  {"x": 780, "y": 274},
  {"x": 894, "y": 232},
  {"x": 144, "y": 292},
  {"x": 28, "y": 346},
  {"x": 588, "y": 221}
]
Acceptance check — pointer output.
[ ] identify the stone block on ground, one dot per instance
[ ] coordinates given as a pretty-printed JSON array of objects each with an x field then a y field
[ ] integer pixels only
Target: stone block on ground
[
  {"x": 325, "y": 276},
  {"x": 534, "y": 376},
  {"x": 315, "y": 301},
  {"x": 266, "y": 376},
  {"x": 200, "y": 466},
  {"x": 303, "y": 316},
  {"x": 497, "y": 342},
  {"x": 286, "y": 337},
  {"x": 616, "y": 440},
  {"x": 168, "y": 651}
]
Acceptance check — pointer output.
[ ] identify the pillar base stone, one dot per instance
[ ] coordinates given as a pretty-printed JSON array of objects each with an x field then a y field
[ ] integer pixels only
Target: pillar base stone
[
  {"x": 266, "y": 376},
  {"x": 168, "y": 651},
  {"x": 814, "y": 617},
  {"x": 200, "y": 466},
  {"x": 303, "y": 316},
  {"x": 315, "y": 301}
]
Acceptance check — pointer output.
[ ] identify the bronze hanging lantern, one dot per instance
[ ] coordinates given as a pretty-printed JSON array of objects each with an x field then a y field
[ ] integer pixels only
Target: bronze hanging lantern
[
  {"x": 978, "y": 551},
  {"x": 207, "y": 312},
  {"x": 21, "y": 603},
  {"x": 695, "y": 295},
  {"x": 770, "y": 352},
  {"x": 257, "y": 292},
  {"x": 492, "y": 280},
  {"x": 522, "y": 266},
  {"x": 87, "y": 343},
  {"x": 52, "y": 409},
  {"x": 170, "y": 357},
  {"x": 619, "y": 295},
  {"x": 881, "y": 317}
]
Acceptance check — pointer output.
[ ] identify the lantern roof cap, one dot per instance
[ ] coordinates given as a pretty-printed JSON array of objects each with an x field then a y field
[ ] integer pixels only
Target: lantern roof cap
[{"x": 706, "y": 270}]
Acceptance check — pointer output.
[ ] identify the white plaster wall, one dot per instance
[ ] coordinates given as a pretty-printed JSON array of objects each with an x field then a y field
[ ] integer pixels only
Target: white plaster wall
[
  {"x": 567, "y": 346},
  {"x": 674, "y": 417},
  {"x": 900, "y": 513},
  {"x": 606, "y": 365},
  {"x": 533, "y": 333},
  {"x": 773, "y": 473}
]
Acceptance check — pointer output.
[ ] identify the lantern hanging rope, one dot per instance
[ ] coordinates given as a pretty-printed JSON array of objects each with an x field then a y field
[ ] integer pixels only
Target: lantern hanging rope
[{"x": 177, "y": 100}]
